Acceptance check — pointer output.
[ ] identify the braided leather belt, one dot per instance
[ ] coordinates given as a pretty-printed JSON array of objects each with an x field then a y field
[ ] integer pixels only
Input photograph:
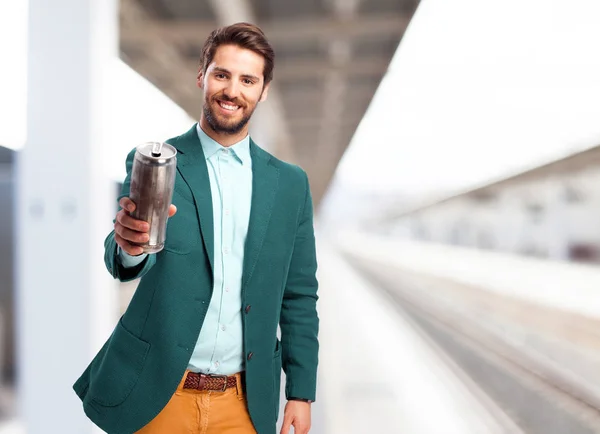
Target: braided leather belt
[{"x": 200, "y": 381}]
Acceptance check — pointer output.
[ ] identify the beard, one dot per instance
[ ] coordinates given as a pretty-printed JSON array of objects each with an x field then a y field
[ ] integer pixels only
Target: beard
[{"x": 226, "y": 126}]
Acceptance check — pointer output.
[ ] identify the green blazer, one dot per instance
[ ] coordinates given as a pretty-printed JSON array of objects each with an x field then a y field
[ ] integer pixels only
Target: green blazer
[{"x": 138, "y": 369}]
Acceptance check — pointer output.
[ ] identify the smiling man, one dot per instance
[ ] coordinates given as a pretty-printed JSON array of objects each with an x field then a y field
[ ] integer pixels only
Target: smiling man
[{"x": 197, "y": 349}]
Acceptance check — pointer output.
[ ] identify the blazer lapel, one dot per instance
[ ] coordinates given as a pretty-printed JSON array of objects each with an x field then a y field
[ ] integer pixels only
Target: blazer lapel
[
  {"x": 265, "y": 180},
  {"x": 191, "y": 165}
]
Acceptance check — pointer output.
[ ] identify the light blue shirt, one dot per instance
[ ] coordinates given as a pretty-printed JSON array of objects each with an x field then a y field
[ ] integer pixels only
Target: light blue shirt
[{"x": 219, "y": 349}]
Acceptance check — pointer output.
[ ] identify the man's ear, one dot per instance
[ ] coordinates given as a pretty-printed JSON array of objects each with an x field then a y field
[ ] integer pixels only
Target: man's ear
[
  {"x": 200, "y": 79},
  {"x": 265, "y": 93}
]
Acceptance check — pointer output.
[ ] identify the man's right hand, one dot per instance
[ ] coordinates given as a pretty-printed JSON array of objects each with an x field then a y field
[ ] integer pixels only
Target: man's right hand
[{"x": 129, "y": 230}]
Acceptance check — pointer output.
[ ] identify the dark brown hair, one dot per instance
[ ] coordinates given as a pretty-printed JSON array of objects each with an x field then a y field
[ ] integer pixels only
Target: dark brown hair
[{"x": 244, "y": 35}]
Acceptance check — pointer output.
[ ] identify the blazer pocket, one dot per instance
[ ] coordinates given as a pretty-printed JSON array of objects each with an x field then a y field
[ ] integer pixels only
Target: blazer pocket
[
  {"x": 182, "y": 193},
  {"x": 183, "y": 231},
  {"x": 115, "y": 375}
]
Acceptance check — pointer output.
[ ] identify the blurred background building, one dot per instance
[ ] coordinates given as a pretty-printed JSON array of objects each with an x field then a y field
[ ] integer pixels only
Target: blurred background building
[
  {"x": 452, "y": 151},
  {"x": 547, "y": 212}
]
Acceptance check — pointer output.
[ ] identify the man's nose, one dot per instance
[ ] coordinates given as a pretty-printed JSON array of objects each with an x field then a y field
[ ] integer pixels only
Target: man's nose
[{"x": 232, "y": 90}]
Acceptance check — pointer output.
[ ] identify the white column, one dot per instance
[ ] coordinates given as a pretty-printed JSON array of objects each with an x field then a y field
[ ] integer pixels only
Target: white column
[
  {"x": 66, "y": 302},
  {"x": 557, "y": 231}
]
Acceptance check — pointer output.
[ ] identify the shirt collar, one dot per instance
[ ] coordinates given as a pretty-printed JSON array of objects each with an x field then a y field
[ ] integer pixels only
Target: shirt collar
[{"x": 210, "y": 147}]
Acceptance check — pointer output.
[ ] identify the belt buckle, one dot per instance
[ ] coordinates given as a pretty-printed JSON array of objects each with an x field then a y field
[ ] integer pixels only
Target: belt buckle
[{"x": 224, "y": 377}]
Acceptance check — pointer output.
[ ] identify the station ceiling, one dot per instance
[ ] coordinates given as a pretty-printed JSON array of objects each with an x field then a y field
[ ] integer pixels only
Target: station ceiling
[{"x": 330, "y": 58}]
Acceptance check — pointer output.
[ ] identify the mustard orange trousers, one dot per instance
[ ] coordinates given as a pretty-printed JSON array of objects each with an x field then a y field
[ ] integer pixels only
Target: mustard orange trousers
[{"x": 191, "y": 411}]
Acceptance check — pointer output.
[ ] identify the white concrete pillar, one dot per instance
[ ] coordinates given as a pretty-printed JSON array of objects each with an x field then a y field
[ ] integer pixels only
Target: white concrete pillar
[
  {"x": 557, "y": 231},
  {"x": 66, "y": 304}
]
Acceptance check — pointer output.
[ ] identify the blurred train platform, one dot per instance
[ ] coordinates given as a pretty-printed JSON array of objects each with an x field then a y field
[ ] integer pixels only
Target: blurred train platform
[
  {"x": 381, "y": 374},
  {"x": 522, "y": 331}
]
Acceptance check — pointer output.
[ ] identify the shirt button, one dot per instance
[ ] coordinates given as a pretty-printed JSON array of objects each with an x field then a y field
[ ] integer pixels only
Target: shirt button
[
  {"x": 226, "y": 250},
  {"x": 217, "y": 364},
  {"x": 227, "y": 289},
  {"x": 223, "y": 327},
  {"x": 248, "y": 308},
  {"x": 227, "y": 211},
  {"x": 250, "y": 355}
]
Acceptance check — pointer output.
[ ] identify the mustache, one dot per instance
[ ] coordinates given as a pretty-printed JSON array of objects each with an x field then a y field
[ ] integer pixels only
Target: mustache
[{"x": 225, "y": 98}]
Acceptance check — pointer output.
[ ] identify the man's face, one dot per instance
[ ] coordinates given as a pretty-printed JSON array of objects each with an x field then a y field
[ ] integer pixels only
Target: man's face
[{"x": 233, "y": 85}]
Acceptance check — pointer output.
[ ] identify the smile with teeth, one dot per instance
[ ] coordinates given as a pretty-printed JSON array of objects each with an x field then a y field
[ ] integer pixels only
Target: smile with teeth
[{"x": 228, "y": 106}]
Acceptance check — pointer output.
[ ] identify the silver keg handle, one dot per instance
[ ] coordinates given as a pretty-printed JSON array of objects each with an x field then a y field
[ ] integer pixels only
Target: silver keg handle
[{"x": 156, "y": 149}]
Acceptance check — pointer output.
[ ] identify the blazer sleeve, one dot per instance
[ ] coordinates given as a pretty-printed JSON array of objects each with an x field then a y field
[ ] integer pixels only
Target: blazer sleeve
[
  {"x": 299, "y": 321},
  {"x": 111, "y": 254}
]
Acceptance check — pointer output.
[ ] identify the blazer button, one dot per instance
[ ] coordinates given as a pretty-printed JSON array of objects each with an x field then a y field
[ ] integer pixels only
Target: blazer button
[
  {"x": 250, "y": 355},
  {"x": 248, "y": 308}
]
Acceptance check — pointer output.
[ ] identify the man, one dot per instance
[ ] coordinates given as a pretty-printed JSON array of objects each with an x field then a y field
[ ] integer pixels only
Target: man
[{"x": 196, "y": 350}]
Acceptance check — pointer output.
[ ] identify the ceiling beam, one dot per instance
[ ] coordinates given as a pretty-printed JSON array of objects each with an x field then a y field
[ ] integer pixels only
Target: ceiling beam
[
  {"x": 352, "y": 109},
  {"x": 301, "y": 97},
  {"x": 359, "y": 67},
  {"x": 351, "y": 119},
  {"x": 280, "y": 32}
]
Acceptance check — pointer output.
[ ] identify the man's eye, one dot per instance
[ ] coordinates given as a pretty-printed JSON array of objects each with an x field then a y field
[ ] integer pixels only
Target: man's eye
[
  {"x": 247, "y": 81},
  {"x": 220, "y": 75}
]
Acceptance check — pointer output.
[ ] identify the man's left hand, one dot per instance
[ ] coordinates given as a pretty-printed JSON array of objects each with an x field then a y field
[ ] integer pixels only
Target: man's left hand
[{"x": 297, "y": 414}]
